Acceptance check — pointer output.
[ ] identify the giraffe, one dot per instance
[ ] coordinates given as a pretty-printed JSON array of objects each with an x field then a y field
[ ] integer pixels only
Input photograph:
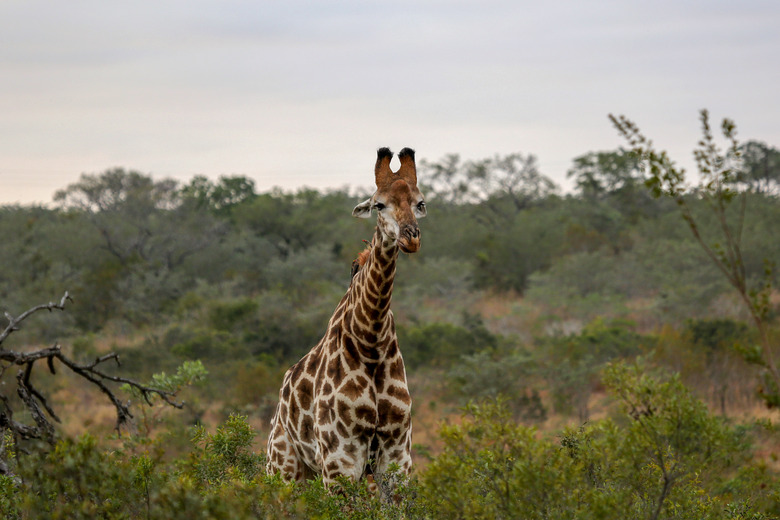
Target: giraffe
[{"x": 344, "y": 409}]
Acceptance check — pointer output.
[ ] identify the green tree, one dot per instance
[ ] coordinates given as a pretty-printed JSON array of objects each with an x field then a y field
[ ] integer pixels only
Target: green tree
[
  {"x": 494, "y": 214},
  {"x": 491, "y": 374},
  {"x": 139, "y": 218},
  {"x": 572, "y": 363},
  {"x": 760, "y": 169},
  {"x": 612, "y": 199},
  {"x": 293, "y": 222},
  {"x": 220, "y": 197},
  {"x": 44, "y": 251},
  {"x": 149, "y": 235},
  {"x": 677, "y": 448},
  {"x": 719, "y": 340},
  {"x": 718, "y": 187},
  {"x": 513, "y": 178},
  {"x": 598, "y": 173}
]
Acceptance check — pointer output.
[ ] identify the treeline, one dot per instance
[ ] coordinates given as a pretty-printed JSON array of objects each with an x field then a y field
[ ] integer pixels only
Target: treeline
[
  {"x": 222, "y": 273},
  {"x": 134, "y": 250}
]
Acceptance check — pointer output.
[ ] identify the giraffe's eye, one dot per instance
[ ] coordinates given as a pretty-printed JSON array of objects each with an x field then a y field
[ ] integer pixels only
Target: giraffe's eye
[{"x": 379, "y": 206}]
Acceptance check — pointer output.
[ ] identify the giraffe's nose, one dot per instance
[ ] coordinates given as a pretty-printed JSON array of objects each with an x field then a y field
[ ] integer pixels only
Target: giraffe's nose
[{"x": 411, "y": 232}]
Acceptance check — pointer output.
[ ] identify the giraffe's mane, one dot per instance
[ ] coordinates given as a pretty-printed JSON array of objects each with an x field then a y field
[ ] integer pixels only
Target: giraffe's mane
[{"x": 361, "y": 259}]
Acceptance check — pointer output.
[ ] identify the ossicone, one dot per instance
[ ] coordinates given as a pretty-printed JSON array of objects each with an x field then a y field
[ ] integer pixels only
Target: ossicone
[
  {"x": 382, "y": 171},
  {"x": 408, "y": 169},
  {"x": 406, "y": 152},
  {"x": 385, "y": 152}
]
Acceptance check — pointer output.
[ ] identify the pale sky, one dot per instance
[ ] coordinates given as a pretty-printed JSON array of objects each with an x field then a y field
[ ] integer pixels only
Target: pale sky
[{"x": 294, "y": 93}]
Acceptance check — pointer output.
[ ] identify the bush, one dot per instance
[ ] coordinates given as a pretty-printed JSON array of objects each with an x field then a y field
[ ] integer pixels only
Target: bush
[
  {"x": 226, "y": 316},
  {"x": 663, "y": 456},
  {"x": 490, "y": 374},
  {"x": 571, "y": 363},
  {"x": 440, "y": 344},
  {"x": 493, "y": 468},
  {"x": 77, "y": 479}
]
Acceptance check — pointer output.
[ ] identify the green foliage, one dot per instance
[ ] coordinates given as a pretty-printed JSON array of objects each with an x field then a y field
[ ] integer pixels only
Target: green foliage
[
  {"x": 761, "y": 167},
  {"x": 664, "y": 456},
  {"x": 189, "y": 373},
  {"x": 133, "y": 248},
  {"x": 596, "y": 173},
  {"x": 489, "y": 374},
  {"x": 720, "y": 175},
  {"x": 514, "y": 177},
  {"x": 9, "y": 485},
  {"x": 441, "y": 344},
  {"x": 221, "y": 478},
  {"x": 494, "y": 468},
  {"x": 447, "y": 281},
  {"x": 507, "y": 254},
  {"x": 226, "y": 455},
  {"x": 672, "y": 427},
  {"x": 204, "y": 344},
  {"x": 78, "y": 480},
  {"x": 222, "y": 197},
  {"x": 246, "y": 282},
  {"x": 225, "y": 316},
  {"x": 571, "y": 364},
  {"x": 717, "y": 334}
]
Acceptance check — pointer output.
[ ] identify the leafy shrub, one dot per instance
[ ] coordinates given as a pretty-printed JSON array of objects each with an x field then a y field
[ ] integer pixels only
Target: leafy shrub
[
  {"x": 717, "y": 334},
  {"x": 225, "y": 455},
  {"x": 206, "y": 344},
  {"x": 77, "y": 479},
  {"x": 440, "y": 344},
  {"x": 225, "y": 316},
  {"x": 489, "y": 375},
  {"x": 493, "y": 468},
  {"x": 663, "y": 456},
  {"x": 572, "y": 363}
]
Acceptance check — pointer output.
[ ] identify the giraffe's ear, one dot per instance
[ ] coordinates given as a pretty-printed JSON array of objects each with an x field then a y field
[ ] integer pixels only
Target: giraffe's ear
[{"x": 362, "y": 210}]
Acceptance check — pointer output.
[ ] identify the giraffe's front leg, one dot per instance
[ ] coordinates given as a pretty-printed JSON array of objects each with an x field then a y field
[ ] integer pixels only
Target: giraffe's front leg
[
  {"x": 395, "y": 450},
  {"x": 282, "y": 456},
  {"x": 344, "y": 433},
  {"x": 343, "y": 454},
  {"x": 394, "y": 436}
]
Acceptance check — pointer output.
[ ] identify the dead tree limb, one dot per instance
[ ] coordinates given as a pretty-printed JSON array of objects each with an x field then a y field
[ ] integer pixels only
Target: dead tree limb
[{"x": 37, "y": 405}]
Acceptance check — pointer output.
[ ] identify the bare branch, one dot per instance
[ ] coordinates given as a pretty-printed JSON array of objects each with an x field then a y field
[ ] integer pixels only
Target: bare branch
[
  {"x": 13, "y": 323},
  {"x": 37, "y": 404}
]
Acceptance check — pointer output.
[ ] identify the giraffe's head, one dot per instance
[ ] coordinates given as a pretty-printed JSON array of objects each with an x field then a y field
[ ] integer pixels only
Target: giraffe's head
[{"x": 397, "y": 200}]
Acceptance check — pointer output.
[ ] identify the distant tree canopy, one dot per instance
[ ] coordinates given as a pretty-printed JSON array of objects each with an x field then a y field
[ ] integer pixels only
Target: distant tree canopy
[
  {"x": 599, "y": 173},
  {"x": 130, "y": 245},
  {"x": 220, "y": 197},
  {"x": 514, "y": 177},
  {"x": 117, "y": 189},
  {"x": 760, "y": 167}
]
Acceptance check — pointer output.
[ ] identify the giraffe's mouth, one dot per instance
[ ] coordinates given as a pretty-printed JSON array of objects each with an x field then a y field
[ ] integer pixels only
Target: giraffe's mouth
[{"x": 409, "y": 245}]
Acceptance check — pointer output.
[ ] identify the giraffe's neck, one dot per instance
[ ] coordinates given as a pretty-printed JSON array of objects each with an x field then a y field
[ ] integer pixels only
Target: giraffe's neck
[{"x": 370, "y": 293}]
